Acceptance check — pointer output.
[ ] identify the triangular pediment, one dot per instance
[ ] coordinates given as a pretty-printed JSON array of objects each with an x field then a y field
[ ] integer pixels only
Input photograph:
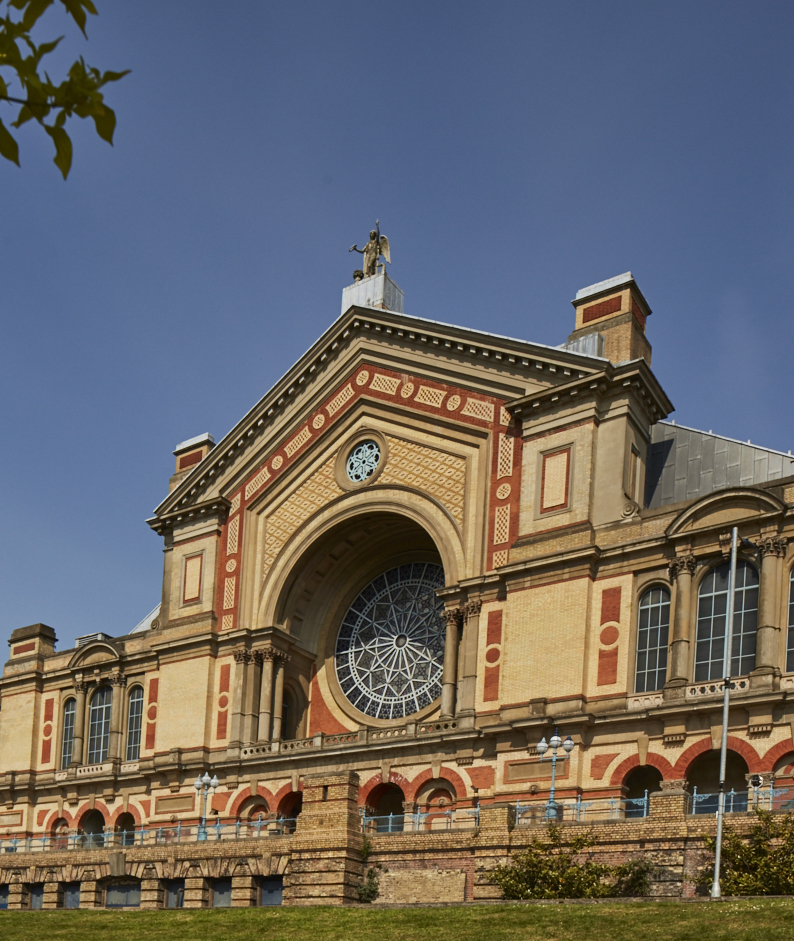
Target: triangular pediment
[
  {"x": 461, "y": 374},
  {"x": 726, "y": 508}
]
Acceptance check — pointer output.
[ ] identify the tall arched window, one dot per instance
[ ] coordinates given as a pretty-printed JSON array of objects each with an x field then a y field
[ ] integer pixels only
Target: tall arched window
[
  {"x": 134, "y": 723},
  {"x": 67, "y": 739},
  {"x": 712, "y": 607},
  {"x": 790, "y": 644},
  {"x": 652, "y": 630},
  {"x": 99, "y": 725}
]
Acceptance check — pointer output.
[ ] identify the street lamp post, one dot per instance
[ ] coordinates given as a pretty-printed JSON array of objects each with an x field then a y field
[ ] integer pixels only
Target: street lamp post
[
  {"x": 716, "y": 889},
  {"x": 555, "y": 743},
  {"x": 203, "y": 786}
]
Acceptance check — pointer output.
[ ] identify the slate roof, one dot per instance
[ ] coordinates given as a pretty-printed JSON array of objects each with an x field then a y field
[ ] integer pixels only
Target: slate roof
[{"x": 684, "y": 464}]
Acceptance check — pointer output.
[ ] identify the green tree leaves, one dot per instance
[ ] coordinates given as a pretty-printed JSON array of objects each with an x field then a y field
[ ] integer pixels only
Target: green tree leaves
[
  {"x": 23, "y": 84},
  {"x": 558, "y": 869},
  {"x": 762, "y": 864}
]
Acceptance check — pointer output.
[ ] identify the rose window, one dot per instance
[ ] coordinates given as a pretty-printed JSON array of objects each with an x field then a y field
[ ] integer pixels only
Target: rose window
[
  {"x": 390, "y": 648},
  {"x": 363, "y": 460}
]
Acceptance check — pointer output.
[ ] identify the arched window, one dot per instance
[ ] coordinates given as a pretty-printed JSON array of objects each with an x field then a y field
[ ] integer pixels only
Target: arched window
[
  {"x": 67, "y": 739},
  {"x": 790, "y": 644},
  {"x": 652, "y": 629},
  {"x": 712, "y": 607},
  {"x": 99, "y": 725},
  {"x": 134, "y": 723}
]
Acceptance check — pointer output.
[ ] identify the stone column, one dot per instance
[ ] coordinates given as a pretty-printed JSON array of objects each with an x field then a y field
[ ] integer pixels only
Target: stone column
[
  {"x": 118, "y": 683},
  {"x": 278, "y": 696},
  {"x": 250, "y": 701},
  {"x": 78, "y": 739},
  {"x": 242, "y": 658},
  {"x": 767, "y": 645},
  {"x": 467, "y": 685},
  {"x": 682, "y": 568},
  {"x": 449, "y": 677},
  {"x": 266, "y": 696}
]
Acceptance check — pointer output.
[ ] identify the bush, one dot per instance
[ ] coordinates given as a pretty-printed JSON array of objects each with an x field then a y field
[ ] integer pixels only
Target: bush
[
  {"x": 370, "y": 888},
  {"x": 761, "y": 864},
  {"x": 552, "y": 869}
]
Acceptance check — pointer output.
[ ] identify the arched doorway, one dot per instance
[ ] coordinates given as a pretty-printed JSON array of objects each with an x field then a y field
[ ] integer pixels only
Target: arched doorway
[
  {"x": 703, "y": 776},
  {"x": 386, "y": 803},
  {"x": 640, "y": 783},
  {"x": 93, "y": 828},
  {"x": 289, "y": 810},
  {"x": 125, "y": 828},
  {"x": 60, "y": 834}
]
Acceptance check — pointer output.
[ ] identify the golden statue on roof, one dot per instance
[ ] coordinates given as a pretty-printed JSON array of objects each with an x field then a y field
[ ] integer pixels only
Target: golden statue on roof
[{"x": 377, "y": 246}]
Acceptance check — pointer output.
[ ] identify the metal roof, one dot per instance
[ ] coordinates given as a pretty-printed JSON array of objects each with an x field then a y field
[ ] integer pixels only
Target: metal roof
[{"x": 685, "y": 464}]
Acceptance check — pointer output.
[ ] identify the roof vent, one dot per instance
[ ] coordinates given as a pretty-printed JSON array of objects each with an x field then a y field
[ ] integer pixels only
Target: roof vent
[{"x": 90, "y": 638}]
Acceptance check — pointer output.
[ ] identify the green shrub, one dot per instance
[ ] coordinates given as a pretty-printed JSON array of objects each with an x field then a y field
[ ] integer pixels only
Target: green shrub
[
  {"x": 760, "y": 864},
  {"x": 370, "y": 888},
  {"x": 553, "y": 869}
]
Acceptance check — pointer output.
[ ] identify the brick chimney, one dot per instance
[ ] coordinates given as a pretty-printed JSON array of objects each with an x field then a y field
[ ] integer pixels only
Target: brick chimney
[
  {"x": 617, "y": 311},
  {"x": 188, "y": 454}
]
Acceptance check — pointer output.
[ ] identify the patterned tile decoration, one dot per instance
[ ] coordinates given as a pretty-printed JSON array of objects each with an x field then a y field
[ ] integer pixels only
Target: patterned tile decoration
[
  {"x": 232, "y": 533},
  {"x": 228, "y": 622},
  {"x": 387, "y": 384},
  {"x": 500, "y": 557},
  {"x": 478, "y": 409},
  {"x": 442, "y": 476},
  {"x": 428, "y": 396},
  {"x": 256, "y": 482},
  {"x": 340, "y": 400},
  {"x": 505, "y": 465},
  {"x": 298, "y": 441},
  {"x": 503, "y": 491},
  {"x": 297, "y": 508},
  {"x": 501, "y": 529},
  {"x": 228, "y": 593}
]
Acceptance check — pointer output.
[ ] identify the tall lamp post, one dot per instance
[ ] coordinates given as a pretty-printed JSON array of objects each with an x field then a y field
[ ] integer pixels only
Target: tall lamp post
[
  {"x": 555, "y": 743},
  {"x": 203, "y": 786},
  {"x": 716, "y": 891}
]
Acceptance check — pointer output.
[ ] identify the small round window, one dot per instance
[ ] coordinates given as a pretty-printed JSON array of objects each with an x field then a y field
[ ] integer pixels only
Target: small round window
[{"x": 363, "y": 460}]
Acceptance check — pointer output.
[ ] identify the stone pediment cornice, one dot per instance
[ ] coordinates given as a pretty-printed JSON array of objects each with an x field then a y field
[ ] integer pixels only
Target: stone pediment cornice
[
  {"x": 213, "y": 508},
  {"x": 635, "y": 376},
  {"x": 549, "y": 364}
]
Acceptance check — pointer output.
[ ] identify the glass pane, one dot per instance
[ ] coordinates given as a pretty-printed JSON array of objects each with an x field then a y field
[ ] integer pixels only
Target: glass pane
[
  {"x": 175, "y": 894},
  {"x": 37, "y": 895}
]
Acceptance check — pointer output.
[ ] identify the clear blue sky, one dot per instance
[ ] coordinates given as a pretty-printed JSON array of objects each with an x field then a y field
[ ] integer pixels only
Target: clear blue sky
[{"x": 513, "y": 152}]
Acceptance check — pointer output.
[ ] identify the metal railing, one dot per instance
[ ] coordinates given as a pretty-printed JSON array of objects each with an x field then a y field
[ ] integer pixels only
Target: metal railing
[
  {"x": 150, "y": 836},
  {"x": 579, "y": 811},
  {"x": 424, "y": 822},
  {"x": 738, "y": 802}
]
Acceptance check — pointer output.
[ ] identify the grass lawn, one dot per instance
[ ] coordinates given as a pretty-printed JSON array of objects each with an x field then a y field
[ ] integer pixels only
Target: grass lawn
[{"x": 746, "y": 920}]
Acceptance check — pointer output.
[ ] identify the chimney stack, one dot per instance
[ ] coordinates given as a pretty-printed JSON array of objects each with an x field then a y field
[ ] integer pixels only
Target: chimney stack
[{"x": 617, "y": 311}]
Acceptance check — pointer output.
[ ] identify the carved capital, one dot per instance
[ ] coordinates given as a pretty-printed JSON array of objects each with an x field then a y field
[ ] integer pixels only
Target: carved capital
[
  {"x": 80, "y": 686},
  {"x": 266, "y": 653},
  {"x": 472, "y": 609},
  {"x": 772, "y": 545},
  {"x": 242, "y": 656},
  {"x": 682, "y": 565},
  {"x": 280, "y": 657},
  {"x": 453, "y": 616},
  {"x": 681, "y": 784},
  {"x": 118, "y": 679}
]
